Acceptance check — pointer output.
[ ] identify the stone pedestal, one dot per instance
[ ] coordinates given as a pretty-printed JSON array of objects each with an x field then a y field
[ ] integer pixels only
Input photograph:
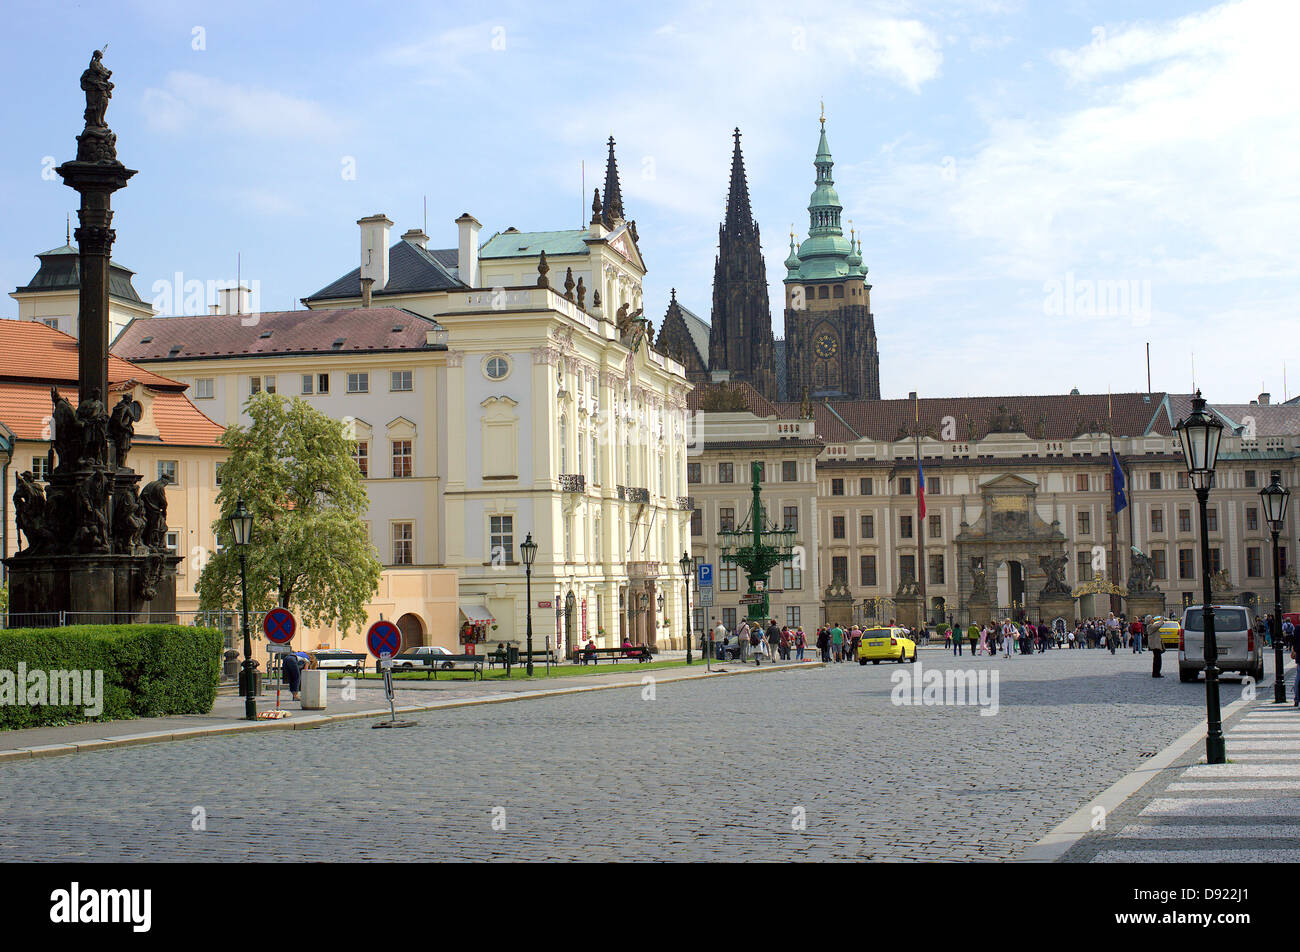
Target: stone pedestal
[
  {"x": 1290, "y": 602},
  {"x": 1051, "y": 607},
  {"x": 978, "y": 611},
  {"x": 1139, "y": 606},
  {"x": 910, "y": 610},
  {"x": 92, "y": 589}
]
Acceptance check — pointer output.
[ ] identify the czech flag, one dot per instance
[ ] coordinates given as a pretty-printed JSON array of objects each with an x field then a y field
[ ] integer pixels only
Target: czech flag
[{"x": 920, "y": 489}]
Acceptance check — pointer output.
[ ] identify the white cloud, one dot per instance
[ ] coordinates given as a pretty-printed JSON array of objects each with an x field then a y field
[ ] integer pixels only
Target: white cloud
[{"x": 188, "y": 101}]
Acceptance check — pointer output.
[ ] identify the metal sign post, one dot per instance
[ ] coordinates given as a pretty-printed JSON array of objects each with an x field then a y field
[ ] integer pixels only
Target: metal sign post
[{"x": 384, "y": 640}]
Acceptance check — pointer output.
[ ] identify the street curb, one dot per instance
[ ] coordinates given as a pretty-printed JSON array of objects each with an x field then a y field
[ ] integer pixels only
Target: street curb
[
  {"x": 1065, "y": 835},
  {"x": 314, "y": 720}
]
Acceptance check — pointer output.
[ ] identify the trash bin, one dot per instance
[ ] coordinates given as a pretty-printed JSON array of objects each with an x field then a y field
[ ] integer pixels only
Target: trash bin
[
  {"x": 231, "y": 669},
  {"x": 314, "y": 686},
  {"x": 257, "y": 681},
  {"x": 513, "y": 651}
]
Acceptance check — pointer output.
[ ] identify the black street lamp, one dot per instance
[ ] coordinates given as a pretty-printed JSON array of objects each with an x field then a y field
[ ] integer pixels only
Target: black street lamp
[
  {"x": 685, "y": 563},
  {"x": 1200, "y": 433},
  {"x": 241, "y": 526},
  {"x": 529, "y": 549},
  {"x": 1275, "y": 496}
]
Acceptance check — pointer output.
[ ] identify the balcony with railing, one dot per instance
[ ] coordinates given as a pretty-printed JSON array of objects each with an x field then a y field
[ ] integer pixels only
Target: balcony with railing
[
  {"x": 686, "y": 503},
  {"x": 636, "y": 494},
  {"x": 573, "y": 483},
  {"x": 641, "y": 571}
]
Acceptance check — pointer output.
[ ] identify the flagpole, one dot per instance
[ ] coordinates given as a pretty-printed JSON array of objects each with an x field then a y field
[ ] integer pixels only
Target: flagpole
[
  {"x": 920, "y": 522},
  {"x": 1114, "y": 516}
]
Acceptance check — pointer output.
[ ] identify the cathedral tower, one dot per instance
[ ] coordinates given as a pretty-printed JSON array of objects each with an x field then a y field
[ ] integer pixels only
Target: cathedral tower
[
  {"x": 740, "y": 336},
  {"x": 829, "y": 329}
]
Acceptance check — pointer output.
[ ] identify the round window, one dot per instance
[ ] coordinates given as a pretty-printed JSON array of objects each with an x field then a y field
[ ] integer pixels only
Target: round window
[{"x": 496, "y": 368}]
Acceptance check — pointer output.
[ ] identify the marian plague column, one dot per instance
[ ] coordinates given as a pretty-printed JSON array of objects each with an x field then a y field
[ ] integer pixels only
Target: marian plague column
[{"x": 95, "y": 545}]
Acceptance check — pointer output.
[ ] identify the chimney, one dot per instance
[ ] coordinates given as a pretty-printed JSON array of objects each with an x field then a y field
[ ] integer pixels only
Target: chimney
[
  {"x": 365, "y": 291},
  {"x": 418, "y": 238},
  {"x": 374, "y": 253},
  {"x": 214, "y": 308},
  {"x": 1264, "y": 398},
  {"x": 236, "y": 300},
  {"x": 467, "y": 251}
]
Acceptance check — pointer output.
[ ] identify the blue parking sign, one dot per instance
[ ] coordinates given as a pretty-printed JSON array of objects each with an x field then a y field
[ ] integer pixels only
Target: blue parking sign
[{"x": 706, "y": 574}]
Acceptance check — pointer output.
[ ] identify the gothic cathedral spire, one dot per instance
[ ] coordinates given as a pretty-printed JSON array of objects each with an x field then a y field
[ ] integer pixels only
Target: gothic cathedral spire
[
  {"x": 613, "y": 208},
  {"x": 740, "y": 335}
]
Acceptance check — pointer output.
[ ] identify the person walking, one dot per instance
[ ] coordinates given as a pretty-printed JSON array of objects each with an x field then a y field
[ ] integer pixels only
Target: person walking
[
  {"x": 958, "y": 636},
  {"x": 824, "y": 643},
  {"x": 719, "y": 635},
  {"x": 973, "y": 635},
  {"x": 1008, "y": 638},
  {"x": 773, "y": 640},
  {"x": 837, "y": 643},
  {"x": 800, "y": 642}
]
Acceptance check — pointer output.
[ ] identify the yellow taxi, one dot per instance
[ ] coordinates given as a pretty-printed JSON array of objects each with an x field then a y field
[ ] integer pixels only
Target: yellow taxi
[
  {"x": 1170, "y": 630},
  {"x": 885, "y": 644}
]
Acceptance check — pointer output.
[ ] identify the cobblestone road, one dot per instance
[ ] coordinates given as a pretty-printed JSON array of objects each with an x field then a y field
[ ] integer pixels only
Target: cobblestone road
[{"x": 715, "y": 769}]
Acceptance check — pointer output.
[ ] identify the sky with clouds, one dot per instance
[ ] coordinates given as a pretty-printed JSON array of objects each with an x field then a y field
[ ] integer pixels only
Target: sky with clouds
[{"x": 1041, "y": 189}]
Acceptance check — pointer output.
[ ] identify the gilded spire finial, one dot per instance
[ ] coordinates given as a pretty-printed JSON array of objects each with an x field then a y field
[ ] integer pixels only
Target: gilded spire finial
[{"x": 823, "y": 115}]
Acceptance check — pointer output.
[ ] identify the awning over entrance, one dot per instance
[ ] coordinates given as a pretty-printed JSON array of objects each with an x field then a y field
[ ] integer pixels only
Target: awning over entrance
[{"x": 476, "y": 613}]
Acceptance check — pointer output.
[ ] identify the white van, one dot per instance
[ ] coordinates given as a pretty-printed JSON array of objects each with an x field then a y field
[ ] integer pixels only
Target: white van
[{"x": 1234, "y": 635}]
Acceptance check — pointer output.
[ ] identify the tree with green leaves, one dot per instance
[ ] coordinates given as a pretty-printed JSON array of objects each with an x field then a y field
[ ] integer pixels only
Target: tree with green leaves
[{"x": 293, "y": 466}]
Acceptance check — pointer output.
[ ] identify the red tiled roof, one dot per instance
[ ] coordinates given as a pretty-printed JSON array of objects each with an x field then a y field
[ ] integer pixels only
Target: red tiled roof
[
  {"x": 30, "y": 350},
  {"x": 34, "y": 357},
  {"x": 274, "y": 332},
  {"x": 1043, "y": 417}
]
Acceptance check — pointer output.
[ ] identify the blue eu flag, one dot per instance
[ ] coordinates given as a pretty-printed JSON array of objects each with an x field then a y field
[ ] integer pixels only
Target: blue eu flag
[{"x": 1117, "y": 483}]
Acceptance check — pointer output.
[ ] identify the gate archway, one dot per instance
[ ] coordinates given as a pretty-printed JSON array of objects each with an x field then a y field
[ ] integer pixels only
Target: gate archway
[{"x": 412, "y": 630}]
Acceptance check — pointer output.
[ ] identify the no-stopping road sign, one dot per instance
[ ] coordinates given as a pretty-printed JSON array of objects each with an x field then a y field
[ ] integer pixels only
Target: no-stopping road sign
[
  {"x": 279, "y": 625},
  {"x": 384, "y": 637}
]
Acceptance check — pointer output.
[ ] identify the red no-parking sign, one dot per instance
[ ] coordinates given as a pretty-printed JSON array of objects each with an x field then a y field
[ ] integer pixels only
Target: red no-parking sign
[
  {"x": 279, "y": 626},
  {"x": 382, "y": 637}
]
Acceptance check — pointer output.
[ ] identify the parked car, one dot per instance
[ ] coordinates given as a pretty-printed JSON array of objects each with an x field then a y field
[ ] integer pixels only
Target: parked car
[
  {"x": 423, "y": 657},
  {"x": 886, "y": 644},
  {"x": 338, "y": 659},
  {"x": 1239, "y": 649}
]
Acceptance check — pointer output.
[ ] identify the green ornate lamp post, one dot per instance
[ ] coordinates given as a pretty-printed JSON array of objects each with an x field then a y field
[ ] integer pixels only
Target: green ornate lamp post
[
  {"x": 686, "y": 564},
  {"x": 1275, "y": 497},
  {"x": 757, "y": 549}
]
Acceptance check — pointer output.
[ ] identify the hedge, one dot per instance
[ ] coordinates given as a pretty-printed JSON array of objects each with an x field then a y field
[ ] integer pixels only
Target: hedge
[{"x": 149, "y": 670}]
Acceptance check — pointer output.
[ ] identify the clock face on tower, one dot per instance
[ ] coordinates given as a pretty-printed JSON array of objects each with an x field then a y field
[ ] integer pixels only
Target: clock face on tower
[{"x": 826, "y": 346}]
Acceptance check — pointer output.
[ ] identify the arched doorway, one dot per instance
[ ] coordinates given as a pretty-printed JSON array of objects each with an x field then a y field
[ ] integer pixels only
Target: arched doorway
[
  {"x": 570, "y": 621},
  {"x": 412, "y": 630},
  {"x": 1011, "y": 587}
]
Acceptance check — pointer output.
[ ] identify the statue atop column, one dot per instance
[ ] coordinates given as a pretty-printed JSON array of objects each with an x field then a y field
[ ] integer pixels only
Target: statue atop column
[{"x": 97, "y": 143}]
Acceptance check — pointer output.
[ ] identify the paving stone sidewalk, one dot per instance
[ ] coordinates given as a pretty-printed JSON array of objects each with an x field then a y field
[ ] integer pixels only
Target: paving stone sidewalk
[{"x": 1247, "y": 810}]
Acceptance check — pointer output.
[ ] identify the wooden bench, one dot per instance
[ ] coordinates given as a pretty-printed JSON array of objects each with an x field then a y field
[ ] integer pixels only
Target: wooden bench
[
  {"x": 640, "y": 652},
  {"x": 476, "y": 661}
]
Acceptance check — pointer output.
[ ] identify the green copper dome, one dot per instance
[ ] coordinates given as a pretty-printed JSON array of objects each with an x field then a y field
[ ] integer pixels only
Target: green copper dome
[
  {"x": 792, "y": 261},
  {"x": 825, "y": 253}
]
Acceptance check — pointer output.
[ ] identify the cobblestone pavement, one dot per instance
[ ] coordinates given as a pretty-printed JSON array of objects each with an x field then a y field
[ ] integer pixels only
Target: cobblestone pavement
[{"x": 718, "y": 769}]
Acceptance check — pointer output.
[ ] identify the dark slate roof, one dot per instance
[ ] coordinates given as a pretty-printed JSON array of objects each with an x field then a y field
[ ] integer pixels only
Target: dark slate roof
[
  {"x": 699, "y": 330},
  {"x": 1276, "y": 419},
  {"x": 275, "y": 333},
  {"x": 411, "y": 270},
  {"x": 60, "y": 270}
]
